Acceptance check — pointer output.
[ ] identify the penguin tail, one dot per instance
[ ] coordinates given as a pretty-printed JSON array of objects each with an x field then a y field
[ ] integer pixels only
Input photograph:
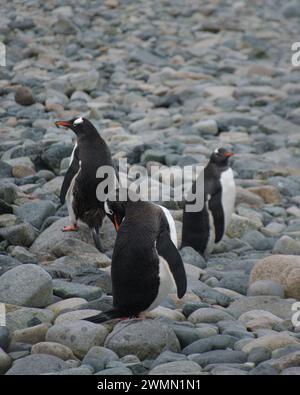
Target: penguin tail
[
  {"x": 97, "y": 241},
  {"x": 106, "y": 316}
]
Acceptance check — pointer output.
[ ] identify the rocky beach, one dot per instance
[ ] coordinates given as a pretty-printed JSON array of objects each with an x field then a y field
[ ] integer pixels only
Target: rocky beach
[{"x": 165, "y": 82}]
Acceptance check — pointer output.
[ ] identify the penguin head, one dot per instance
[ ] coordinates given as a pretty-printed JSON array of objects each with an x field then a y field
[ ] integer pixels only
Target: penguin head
[
  {"x": 220, "y": 157},
  {"x": 115, "y": 211},
  {"x": 80, "y": 126},
  {"x": 117, "y": 204}
]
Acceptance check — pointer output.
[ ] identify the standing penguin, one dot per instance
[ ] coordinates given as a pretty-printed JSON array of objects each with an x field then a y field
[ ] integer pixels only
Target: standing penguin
[
  {"x": 146, "y": 265},
  {"x": 80, "y": 182},
  {"x": 203, "y": 229}
]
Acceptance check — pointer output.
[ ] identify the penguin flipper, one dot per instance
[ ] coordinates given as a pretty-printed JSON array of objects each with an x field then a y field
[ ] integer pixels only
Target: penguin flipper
[
  {"x": 70, "y": 174},
  {"x": 166, "y": 248},
  {"x": 215, "y": 206},
  {"x": 105, "y": 316},
  {"x": 97, "y": 240}
]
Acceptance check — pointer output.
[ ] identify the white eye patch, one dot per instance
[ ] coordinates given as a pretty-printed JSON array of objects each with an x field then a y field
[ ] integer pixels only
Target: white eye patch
[
  {"x": 78, "y": 121},
  {"x": 107, "y": 209},
  {"x": 217, "y": 151}
]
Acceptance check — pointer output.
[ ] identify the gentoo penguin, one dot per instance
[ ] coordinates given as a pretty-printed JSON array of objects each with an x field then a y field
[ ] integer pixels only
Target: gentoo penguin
[
  {"x": 203, "y": 229},
  {"x": 146, "y": 265},
  {"x": 80, "y": 182}
]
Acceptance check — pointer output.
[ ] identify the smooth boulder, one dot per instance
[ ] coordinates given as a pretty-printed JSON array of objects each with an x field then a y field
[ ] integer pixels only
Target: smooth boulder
[
  {"x": 145, "y": 339},
  {"x": 26, "y": 285},
  {"x": 79, "y": 336},
  {"x": 36, "y": 364},
  {"x": 284, "y": 269}
]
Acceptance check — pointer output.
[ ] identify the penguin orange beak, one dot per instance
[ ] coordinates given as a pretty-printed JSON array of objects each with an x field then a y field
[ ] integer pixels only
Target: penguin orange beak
[
  {"x": 63, "y": 123},
  {"x": 228, "y": 154},
  {"x": 117, "y": 226}
]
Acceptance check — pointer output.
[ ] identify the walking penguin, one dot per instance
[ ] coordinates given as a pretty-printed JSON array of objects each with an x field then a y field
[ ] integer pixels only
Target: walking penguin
[{"x": 80, "y": 183}]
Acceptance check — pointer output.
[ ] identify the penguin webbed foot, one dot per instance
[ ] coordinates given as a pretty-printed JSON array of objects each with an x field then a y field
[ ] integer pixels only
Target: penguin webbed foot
[
  {"x": 140, "y": 316},
  {"x": 70, "y": 228}
]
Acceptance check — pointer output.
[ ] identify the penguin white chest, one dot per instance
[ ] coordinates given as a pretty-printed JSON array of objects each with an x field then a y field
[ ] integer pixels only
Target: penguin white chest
[
  {"x": 212, "y": 231},
  {"x": 167, "y": 284},
  {"x": 228, "y": 195},
  {"x": 172, "y": 226},
  {"x": 73, "y": 153},
  {"x": 70, "y": 198}
]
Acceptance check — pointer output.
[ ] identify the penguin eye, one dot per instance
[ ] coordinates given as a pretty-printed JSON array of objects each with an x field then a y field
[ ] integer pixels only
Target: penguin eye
[{"x": 78, "y": 121}]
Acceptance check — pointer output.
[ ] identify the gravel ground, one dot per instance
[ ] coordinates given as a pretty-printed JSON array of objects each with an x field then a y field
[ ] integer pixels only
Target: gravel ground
[{"x": 164, "y": 82}]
